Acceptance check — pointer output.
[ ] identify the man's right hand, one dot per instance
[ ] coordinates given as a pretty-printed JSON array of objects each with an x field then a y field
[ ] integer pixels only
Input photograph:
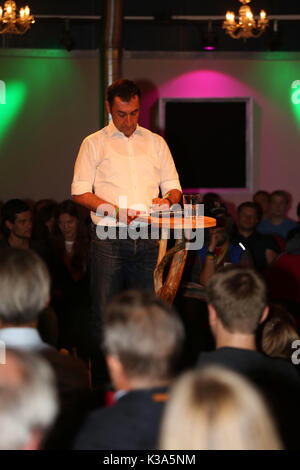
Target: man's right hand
[{"x": 126, "y": 216}]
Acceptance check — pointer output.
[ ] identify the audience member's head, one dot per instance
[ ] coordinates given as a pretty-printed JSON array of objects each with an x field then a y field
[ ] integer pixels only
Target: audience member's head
[
  {"x": 16, "y": 219},
  {"x": 298, "y": 211},
  {"x": 44, "y": 221},
  {"x": 217, "y": 210},
  {"x": 278, "y": 333},
  {"x": 143, "y": 337},
  {"x": 262, "y": 198},
  {"x": 248, "y": 215},
  {"x": 279, "y": 202},
  {"x": 237, "y": 299},
  {"x": 67, "y": 220},
  {"x": 28, "y": 401},
  {"x": 216, "y": 409},
  {"x": 24, "y": 286},
  {"x": 70, "y": 243},
  {"x": 211, "y": 197}
]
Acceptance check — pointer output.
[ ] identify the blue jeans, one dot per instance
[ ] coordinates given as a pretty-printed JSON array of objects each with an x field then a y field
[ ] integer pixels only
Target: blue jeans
[{"x": 115, "y": 266}]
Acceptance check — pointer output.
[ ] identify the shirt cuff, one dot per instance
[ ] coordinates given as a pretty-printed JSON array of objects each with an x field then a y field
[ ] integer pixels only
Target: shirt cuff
[
  {"x": 169, "y": 185},
  {"x": 81, "y": 187}
]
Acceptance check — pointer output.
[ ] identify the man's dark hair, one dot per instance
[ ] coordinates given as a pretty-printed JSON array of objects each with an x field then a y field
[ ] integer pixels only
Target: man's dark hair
[
  {"x": 144, "y": 333},
  {"x": 239, "y": 298},
  {"x": 124, "y": 89},
  {"x": 9, "y": 211},
  {"x": 282, "y": 194},
  {"x": 261, "y": 191},
  {"x": 298, "y": 209}
]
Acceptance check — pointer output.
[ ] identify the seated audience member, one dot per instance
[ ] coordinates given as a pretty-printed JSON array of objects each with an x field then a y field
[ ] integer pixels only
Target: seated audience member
[
  {"x": 283, "y": 279},
  {"x": 213, "y": 200},
  {"x": 209, "y": 198},
  {"x": 279, "y": 332},
  {"x": 24, "y": 292},
  {"x": 263, "y": 248},
  {"x": 237, "y": 304},
  {"x": 218, "y": 250},
  {"x": 44, "y": 221},
  {"x": 294, "y": 234},
  {"x": 142, "y": 339},
  {"x": 16, "y": 226},
  {"x": 277, "y": 223},
  {"x": 216, "y": 409},
  {"x": 28, "y": 401},
  {"x": 262, "y": 198},
  {"x": 71, "y": 298}
]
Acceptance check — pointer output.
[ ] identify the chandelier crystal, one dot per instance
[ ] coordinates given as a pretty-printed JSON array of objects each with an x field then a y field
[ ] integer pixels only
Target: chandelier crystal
[
  {"x": 10, "y": 23},
  {"x": 247, "y": 26}
]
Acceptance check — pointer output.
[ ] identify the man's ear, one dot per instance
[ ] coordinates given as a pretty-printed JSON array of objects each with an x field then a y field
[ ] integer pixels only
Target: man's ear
[
  {"x": 212, "y": 315},
  {"x": 113, "y": 362},
  {"x": 114, "y": 366},
  {"x": 8, "y": 224},
  {"x": 107, "y": 107},
  {"x": 264, "y": 314}
]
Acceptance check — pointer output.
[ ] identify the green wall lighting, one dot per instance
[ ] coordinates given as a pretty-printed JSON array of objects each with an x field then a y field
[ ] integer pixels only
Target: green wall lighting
[
  {"x": 296, "y": 92},
  {"x": 14, "y": 94},
  {"x": 2, "y": 92},
  {"x": 295, "y": 100}
]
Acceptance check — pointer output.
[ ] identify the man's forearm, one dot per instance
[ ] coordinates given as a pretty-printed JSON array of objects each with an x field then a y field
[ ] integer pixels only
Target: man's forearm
[{"x": 92, "y": 202}]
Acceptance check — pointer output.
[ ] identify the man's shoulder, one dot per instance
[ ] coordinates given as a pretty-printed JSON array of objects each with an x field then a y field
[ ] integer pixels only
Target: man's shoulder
[
  {"x": 148, "y": 133},
  {"x": 287, "y": 222},
  {"x": 132, "y": 422},
  {"x": 265, "y": 223},
  {"x": 250, "y": 363},
  {"x": 95, "y": 136}
]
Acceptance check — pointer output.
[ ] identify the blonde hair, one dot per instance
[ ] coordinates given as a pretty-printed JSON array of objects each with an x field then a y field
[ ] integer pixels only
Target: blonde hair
[
  {"x": 278, "y": 333},
  {"x": 216, "y": 409}
]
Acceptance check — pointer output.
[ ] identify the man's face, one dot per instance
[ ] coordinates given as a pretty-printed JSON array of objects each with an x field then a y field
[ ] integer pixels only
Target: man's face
[
  {"x": 278, "y": 206},
  {"x": 22, "y": 226},
  {"x": 262, "y": 200},
  {"x": 247, "y": 219},
  {"x": 125, "y": 114}
]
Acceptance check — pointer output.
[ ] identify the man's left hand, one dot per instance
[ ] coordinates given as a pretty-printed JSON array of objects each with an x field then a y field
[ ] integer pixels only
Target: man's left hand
[{"x": 161, "y": 204}]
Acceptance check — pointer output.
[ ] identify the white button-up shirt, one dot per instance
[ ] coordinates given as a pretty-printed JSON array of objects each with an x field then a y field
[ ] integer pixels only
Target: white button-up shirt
[{"x": 125, "y": 171}]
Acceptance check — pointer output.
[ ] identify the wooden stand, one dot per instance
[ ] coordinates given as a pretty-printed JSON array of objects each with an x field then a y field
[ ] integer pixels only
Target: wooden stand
[{"x": 167, "y": 290}]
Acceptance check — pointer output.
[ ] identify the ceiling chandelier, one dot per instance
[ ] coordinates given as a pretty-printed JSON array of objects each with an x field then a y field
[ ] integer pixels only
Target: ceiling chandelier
[
  {"x": 246, "y": 27},
  {"x": 10, "y": 23}
]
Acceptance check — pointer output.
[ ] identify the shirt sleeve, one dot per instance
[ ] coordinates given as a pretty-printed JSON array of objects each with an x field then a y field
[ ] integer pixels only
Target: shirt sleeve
[
  {"x": 85, "y": 169},
  {"x": 168, "y": 174}
]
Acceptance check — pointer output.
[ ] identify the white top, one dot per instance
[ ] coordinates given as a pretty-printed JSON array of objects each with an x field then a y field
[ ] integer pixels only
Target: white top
[
  {"x": 125, "y": 171},
  {"x": 69, "y": 246},
  {"x": 25, "y": 338}
]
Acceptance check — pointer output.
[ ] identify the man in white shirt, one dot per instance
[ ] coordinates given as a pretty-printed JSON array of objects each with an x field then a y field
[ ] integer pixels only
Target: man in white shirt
[{"x": 119, "y": 171}]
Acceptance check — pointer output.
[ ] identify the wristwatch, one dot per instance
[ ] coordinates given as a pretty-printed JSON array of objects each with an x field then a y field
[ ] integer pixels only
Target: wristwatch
[{"x": 168, "y": 199}]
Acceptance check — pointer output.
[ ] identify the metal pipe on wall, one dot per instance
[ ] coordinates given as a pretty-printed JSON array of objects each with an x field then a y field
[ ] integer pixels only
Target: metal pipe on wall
[{"x": 110, "y": 51}]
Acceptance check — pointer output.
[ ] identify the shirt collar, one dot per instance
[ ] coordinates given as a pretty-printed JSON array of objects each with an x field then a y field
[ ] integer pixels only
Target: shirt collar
[
  {"x": 22, "y": 337},
  {"x": 112, "y": 130}
]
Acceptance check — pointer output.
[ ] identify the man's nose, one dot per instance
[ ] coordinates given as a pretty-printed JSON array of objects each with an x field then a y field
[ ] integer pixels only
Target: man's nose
[{"x": 128, "y": 120}]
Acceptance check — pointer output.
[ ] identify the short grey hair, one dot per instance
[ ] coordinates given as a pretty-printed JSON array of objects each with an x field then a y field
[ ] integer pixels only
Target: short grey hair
[
  {"x": 145, "y": 334},
  {"x": 28, "y": 403},
  {"x": 24, "y": 286}
]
